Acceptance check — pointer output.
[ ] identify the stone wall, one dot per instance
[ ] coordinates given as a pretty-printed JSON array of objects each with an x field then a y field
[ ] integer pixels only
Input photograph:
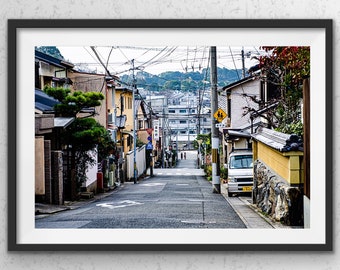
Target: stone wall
[{"x": 276, "y": 198}]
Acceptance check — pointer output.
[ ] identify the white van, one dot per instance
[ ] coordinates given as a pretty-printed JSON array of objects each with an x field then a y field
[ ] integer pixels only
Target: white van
[{"x": 240, "y": 171}]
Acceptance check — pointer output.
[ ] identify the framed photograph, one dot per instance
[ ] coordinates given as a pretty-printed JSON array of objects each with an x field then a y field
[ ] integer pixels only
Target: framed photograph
[{"x": 310, "y": 161}]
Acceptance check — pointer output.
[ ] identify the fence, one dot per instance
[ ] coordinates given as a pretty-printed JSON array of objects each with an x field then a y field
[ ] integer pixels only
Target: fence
[{"x": 140, "y": 162}]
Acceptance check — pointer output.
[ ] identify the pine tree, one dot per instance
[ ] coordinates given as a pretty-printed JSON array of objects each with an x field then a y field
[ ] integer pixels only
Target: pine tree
[{"x": 84, "y": 134}]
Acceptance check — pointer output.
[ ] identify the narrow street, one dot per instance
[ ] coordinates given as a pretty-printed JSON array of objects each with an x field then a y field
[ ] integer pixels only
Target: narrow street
[{"x": 178, "y": 197}]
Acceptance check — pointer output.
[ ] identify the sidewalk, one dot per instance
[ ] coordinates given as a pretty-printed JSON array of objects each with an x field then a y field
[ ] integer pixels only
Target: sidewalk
[
  {"x": 47, "y": 209},
  {"x": 249, "y": 214}
]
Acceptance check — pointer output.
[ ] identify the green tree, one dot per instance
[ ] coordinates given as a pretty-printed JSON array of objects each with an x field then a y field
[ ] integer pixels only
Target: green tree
[
  {"x": 206, "y": 143},
  {"x": 172, "y": 85},
  {"x": 72, "y": 103},
  {"x": 291, "y": 65},
  {"x": 84, "y": 134},
  {"x": 286, "y": 67}
]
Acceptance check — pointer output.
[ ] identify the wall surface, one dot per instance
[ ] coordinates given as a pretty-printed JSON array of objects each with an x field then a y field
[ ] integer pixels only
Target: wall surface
[
  {"x": 286, "y": 164},
  {"x": 199, "y": 9},
  {"x": 39, "y": 166},
  {"x": 238, "y": 102},
  {"x": 91, "y": 172},
  {"x": 92, "y": 83}
]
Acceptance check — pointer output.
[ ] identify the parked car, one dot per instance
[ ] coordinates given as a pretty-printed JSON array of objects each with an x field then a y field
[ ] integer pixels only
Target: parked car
[{"x": 240, "y": 171}]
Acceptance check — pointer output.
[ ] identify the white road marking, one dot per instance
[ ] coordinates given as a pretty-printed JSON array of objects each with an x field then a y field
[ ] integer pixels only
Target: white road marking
[
  {"x": 120, "y": 204},
  {"x": 152, "y": 184}
]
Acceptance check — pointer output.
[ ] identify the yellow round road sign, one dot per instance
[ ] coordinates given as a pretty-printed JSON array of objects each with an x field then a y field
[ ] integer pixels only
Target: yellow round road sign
[{"x": 220, "y": 115}]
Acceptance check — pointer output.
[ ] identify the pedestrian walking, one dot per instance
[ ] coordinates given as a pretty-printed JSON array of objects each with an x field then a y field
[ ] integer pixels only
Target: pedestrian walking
[
  {"x": 185, "y": 155},
  {"x": 181, "y": 155}
]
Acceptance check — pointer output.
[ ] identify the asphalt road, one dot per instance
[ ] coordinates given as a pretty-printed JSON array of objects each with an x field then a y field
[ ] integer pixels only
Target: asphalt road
[{"x": 178, "y": 197}]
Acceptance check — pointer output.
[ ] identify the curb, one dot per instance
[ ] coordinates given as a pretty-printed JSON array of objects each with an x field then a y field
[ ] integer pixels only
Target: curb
[
  {"x": 244, "y": 220},
  {"x": 255, "y": 210}
]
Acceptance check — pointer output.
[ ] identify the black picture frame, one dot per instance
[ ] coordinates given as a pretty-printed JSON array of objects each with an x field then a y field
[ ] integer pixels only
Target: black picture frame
[{"x": 14, "y": 25}]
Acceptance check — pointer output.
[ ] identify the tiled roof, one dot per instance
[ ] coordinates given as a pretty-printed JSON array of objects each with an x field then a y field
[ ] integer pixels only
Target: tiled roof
[
  {"x": 278, "y": 140},
  {"x": 44, "y": 102}
]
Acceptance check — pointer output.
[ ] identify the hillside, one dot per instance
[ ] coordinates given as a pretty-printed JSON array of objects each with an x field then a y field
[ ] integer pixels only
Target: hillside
[{"x": 175, "y": 80}]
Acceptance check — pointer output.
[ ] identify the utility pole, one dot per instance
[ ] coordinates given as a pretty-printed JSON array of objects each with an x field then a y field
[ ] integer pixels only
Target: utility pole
[
  {"x": 134, "y": 122},
  {"x": 199, "y": 112},
  {"x": 243, "y": 66},
  {"x": 214, "y": 130},
  {"x": 150, "y": 127},
  {"x": 163, "y": 134}
]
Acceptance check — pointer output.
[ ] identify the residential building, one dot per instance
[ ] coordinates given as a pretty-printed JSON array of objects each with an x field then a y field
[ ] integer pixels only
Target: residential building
[
  {"x": 238, "y": 124},
  {"x": 54, "y": 72},
  {"x": 159, "y": 106},
  {"x": 186, "y": 119},
  {"x": 51, "y": 71},
  {"x": 49, "y": 178},
  {"x": 183, "y": 121},
  {"x": 122, "y": 119},
  {"x": 91, "y": 82}
]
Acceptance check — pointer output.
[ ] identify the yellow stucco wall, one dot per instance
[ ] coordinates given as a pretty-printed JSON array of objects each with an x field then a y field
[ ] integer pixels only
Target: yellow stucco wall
[
  {"x": 288, "y": 165},
  {"x": 39, "y": 166},
  {"x": 129, "y": 117},
  {"x": 128, "y": 111}
]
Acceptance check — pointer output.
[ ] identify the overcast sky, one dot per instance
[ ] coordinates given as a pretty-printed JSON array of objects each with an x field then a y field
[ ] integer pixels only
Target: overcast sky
[{"x": 156, "y": 60}]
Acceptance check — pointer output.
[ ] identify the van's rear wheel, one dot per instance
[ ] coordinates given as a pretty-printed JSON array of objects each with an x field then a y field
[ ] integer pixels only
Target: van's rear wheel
[{"x": 230, "y": 194}]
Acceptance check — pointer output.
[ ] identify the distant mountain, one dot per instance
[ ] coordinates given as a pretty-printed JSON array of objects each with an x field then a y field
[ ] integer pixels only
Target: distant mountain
[
  {"x": 51, "y": 50},
  {"x": 188, "y": 81}
]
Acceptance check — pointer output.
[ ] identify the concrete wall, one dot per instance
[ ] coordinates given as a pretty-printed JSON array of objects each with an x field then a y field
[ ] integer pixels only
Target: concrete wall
[
  {"x": 39, "y": 166},
  {"x": 91, "y": 174},
  {"x": 44, "y": 123},
  {"x": 140, "y": 162},
  {"x": 242, "y": 143}
]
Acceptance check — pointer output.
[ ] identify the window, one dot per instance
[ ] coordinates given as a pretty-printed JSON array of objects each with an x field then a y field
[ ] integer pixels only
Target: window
[
  {"x": 129, "y": 103},
  {"x": 182, "y": 111},
  {"x": 182, "y": 121},
  {"x": 241, "y": 162},
  {"x": 140, "y": 124},
  {"x": 172, "y": 111},
  {"x": 229, "y": 107}
]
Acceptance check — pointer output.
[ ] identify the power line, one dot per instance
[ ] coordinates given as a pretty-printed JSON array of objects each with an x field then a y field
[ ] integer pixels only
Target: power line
[{"x": 100, "y": 60}]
